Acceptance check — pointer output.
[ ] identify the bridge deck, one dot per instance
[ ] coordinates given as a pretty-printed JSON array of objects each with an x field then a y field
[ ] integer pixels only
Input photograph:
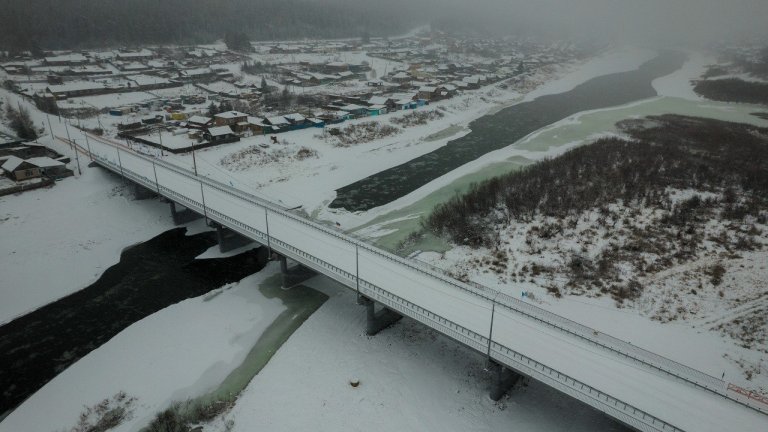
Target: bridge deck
[{"x": 639, "y": 388}]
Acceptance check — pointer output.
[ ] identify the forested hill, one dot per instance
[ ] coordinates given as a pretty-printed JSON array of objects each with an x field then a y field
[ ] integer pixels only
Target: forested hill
[{"x": 57, "y": 24}]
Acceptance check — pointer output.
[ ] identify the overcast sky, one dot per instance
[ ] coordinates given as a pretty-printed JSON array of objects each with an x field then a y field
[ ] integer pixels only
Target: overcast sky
[{"x": 648, "y": 21}]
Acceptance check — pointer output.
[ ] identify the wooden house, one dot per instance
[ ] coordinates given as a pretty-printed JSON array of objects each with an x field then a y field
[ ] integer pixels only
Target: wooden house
[
  {"x": 220, "y": 134},
  {"x": 229, "y": 118},
  {"x": 19, "y": 169}
]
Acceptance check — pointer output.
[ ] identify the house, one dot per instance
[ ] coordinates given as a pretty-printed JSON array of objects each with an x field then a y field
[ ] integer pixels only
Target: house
[
  {"x": 335, "y": 67},
  {"x": 355, "y": 110},
  {"x": 74, "y": 89},
  {"x": 256, "y": 126},
  {"x": 388, "y": 102},
  {"x": 50, "y": 167},
  {"x": 199, "y": 122},
  {"x": 148, "y": 82},
  {"x": 405, "y": 104},
  {"x": 221, "y": 135},
  {"x": 376, "y": 110},
  {"x": 427, "y": 92},
  {"x": 401, "y": 77},
  {"x": 297, "y": 121},
  {"x": 229, "y": 118},
  {"x": 197, "y": 74},
  {"x": 143, "y": 54},
  {"x": 18, "y": 169},
  {"x": 276, "y": 124},
  {"x": 472, "y": 82}
]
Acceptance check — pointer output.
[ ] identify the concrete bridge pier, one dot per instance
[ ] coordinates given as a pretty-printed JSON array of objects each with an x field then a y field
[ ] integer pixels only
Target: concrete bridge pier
[
  {"x": 377, "y": 321},
  {"x": 141, "y": 193},
  {"x": 183, "y": 216},
  {"x": 294, "y": 275},
  {"x": 503, "y": 380},
  {"x": 229, "y": 239}
]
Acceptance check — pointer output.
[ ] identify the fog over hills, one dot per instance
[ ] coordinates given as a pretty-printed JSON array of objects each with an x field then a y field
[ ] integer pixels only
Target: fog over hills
[{"x": 82, "y": 23}]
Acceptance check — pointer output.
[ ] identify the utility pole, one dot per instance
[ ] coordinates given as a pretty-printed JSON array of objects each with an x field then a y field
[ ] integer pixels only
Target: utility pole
[
  {"x": 77, "y": 159},
  {"x": 88, "y": 144},
  {"x": 194, "y": 160},
  {"x": 68, "y": 138},
  {"x": 49, "y": 126}
]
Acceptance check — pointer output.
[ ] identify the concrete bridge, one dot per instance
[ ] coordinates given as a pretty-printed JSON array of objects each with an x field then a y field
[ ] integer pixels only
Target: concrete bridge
[{"x": 640, "y": 389}]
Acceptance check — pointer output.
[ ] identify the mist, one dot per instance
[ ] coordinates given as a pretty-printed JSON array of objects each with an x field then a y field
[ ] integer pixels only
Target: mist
[{"x": 653, "y": 22}]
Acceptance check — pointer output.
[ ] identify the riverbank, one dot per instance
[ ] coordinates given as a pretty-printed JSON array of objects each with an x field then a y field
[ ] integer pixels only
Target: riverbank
[
  {"x": 71, "y": 231},
  {"x": 183, "y": 351}
]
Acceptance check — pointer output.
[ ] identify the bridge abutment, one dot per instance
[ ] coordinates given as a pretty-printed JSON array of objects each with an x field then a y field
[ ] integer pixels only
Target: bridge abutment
[
  {"x": 503, "y": 380},
  {"x": 377, "y": 321},
  {"x": 183, "y": 216}
]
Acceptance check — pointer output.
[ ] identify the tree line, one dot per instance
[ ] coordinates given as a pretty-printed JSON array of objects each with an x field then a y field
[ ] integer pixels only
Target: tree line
[
  {"x": 54, "y": 24},
  {"x": 667, "y": 151}
]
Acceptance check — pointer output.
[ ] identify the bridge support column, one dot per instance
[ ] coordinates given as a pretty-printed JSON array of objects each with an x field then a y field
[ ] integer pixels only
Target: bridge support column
[
  {"x": 182, "y": 216},
  {"x": 228, "y": 239},
  {"x": 141, "y": 193},
  {"x": 294, "y": 275},
  {"x": 377, "y": 321},
  {"x": 503, "y": 380}
]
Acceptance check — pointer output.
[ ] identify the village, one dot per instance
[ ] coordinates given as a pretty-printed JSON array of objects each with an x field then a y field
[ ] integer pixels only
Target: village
[{"x": 174, "y": 100}]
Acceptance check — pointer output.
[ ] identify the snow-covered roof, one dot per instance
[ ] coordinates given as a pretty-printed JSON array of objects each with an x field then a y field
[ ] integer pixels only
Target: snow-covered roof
[
  {"x": 295, "y": 117},
  {"x": 75, "y": 86},
  {"x": 45, "y": 162},
  {"x": 72, "y": 58},
  {"x": 427, "y": 89},
  {"x": 378, "y": 100},
  {"x": 12, "y": 163},
  {"x": 135, "y": 54},
  {"x": 197, "y": 72},
  {"x": 144, "y": 80},
  {"x": 352, "y": 107},
  {"x": 199, "y": 119},
  {"x": 231, "y": 115},
  {"x": 255, "y": 121},
  {"x": 376, "y": 107},
  {"x": 220, "y": 131},
  {"x": 277, "y": 120}
]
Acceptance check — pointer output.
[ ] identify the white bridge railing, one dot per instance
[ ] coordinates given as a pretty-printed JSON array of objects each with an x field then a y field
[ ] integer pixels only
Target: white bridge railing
[{"x": 464, "y": 312}]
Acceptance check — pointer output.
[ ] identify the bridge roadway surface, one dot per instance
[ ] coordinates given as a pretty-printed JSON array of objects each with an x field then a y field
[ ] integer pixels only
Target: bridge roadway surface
[{"x": 638, "y": 388}]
